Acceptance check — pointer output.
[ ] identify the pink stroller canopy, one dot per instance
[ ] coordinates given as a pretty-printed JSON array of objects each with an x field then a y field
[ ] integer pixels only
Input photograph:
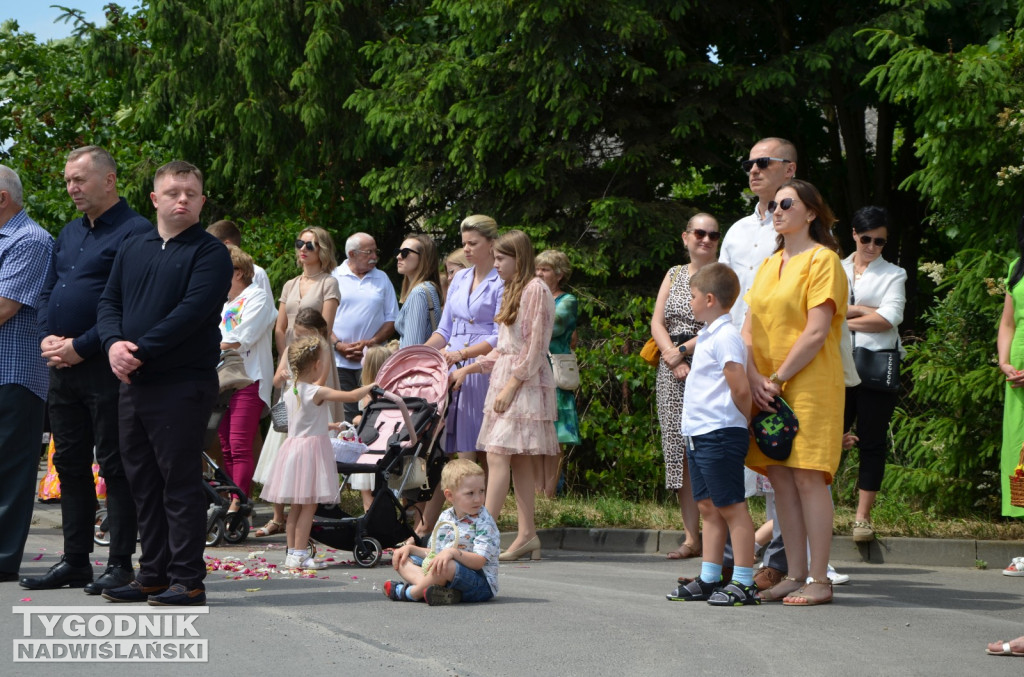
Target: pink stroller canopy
[{"x": 416, "y": 371}]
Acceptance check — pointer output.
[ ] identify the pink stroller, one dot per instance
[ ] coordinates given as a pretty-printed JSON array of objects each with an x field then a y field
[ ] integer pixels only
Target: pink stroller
[{"x": 400, "y": 428}]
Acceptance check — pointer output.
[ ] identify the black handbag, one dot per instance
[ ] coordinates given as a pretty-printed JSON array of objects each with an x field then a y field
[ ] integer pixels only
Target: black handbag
[{"x": 878, "y": 369}]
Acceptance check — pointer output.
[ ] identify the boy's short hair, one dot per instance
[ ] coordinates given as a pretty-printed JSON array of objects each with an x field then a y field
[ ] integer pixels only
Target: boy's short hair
[
  {"x": 719, "y": 280},
  {"x": 456, "y": 471}
]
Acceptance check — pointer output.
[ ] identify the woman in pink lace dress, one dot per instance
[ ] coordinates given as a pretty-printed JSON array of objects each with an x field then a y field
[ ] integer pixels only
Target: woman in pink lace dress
[{"x": 520, "y": 408}]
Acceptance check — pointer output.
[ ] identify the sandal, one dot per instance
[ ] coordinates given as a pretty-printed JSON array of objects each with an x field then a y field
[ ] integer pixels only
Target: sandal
[
  {"x": 772, "y": 594},
  {"x": 685, "y": 551},
  {"x": 395, "y": 591},
  {"x": 269, "y": 529},
  {"x": 1003, "y": 649},
  {"x": 734, "y": 594},
  {"x": 801, "y": 598}
]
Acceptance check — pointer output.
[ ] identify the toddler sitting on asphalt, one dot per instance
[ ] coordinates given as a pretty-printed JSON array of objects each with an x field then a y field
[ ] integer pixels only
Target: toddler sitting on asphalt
[{"x": 466, "y": 542}]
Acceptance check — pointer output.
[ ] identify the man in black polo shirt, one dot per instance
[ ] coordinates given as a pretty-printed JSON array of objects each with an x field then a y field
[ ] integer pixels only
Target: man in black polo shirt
[
  {"x": 83, "y": 391},
  {"x": 159, "y": 323}
]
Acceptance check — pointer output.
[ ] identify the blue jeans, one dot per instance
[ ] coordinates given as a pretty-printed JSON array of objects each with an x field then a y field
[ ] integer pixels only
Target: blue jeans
[
  {"x": 471, "y": 582},
  {"x": 716, "y": 465}
]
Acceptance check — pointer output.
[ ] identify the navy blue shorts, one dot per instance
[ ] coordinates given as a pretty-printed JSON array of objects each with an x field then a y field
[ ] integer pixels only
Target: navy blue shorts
[
  {"x": 716, "y": 465},
  {"x": 472, "y": 582}
]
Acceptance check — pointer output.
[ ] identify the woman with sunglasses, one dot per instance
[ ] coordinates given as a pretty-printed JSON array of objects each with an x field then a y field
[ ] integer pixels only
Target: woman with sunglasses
[
  {"x": 314, "y": 288},
  {"x": 792, "y": 330},
  {"x": 877, "y": 297},
  {"x": 674, "y": 328},
  {"x": 421, "y": 290}
]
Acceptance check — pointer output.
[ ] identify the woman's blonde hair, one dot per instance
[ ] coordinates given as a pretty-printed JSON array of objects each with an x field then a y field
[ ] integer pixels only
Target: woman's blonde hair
[
  {"x": 243, "y": 263},
  {"x": 426, "y": 270},
  {"x": 458, "y": 257},
  {"x": 324, "y": 248},
  {"x": 484, "y": 225},
  {"x": 303, "y": 354},
  {"x": 557, "y": 262},
  {"x": 515, "y": 243}
]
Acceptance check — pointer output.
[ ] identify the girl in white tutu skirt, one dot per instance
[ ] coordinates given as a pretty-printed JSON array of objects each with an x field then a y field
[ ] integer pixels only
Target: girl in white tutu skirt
[{"x": 304, "y": 472}]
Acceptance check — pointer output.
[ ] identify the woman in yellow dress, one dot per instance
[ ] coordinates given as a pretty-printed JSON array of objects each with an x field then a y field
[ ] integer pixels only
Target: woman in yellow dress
[{"x": 792, "y": 330}]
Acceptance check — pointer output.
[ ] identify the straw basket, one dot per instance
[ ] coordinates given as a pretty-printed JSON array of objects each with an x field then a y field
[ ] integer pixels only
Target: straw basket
[
  {"x": 1017, "y": 484},
  {"x": 433, "y": 543}
]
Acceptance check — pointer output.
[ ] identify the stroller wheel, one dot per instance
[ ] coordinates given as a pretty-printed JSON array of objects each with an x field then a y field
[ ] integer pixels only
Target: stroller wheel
[
  {"x": 236, "y": 528},
  {"x": 101, "y": 529},
  {"x": 367, "y": 551},
  {"x": 216, "y": 533}
]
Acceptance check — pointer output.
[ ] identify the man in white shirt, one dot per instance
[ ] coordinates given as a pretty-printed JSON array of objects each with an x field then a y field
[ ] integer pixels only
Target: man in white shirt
[
  {"x": 366, "y": 313},
  {"x": 772, "y": 162},
  {"x": 752, "y": 239}
]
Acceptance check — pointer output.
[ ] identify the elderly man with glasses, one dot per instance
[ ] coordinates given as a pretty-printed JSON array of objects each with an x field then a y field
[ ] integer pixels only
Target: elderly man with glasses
[{"x": 366, "y": 313}]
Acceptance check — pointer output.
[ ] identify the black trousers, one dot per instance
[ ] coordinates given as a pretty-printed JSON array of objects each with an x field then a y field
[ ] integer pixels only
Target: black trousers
[
  {"x": 350, "y": 379},
  {"x": 872, "y": 410},
  {"x": 21, "y": 435},
  {"x": 162, "y": 429},
  {"x": 83, "y": 415}
]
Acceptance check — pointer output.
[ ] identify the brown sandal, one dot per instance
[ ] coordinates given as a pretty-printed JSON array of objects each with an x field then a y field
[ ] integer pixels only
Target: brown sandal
[
  {"x": 684, "y": 551},
  {"x": 269, "y": 529},
  {"x": 804, "y": 599},
  {"x": 773, "y": 595}
]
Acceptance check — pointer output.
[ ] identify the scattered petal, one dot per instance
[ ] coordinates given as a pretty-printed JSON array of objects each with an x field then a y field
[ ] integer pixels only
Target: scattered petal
[
  {"x": 252, "y": 589},
  {"x": 25, "y": 599},
  {"x": 38, "y": 557}
]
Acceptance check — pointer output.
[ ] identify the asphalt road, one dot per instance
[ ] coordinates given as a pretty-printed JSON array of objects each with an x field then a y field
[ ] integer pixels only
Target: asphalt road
[{"x": 573, "y": 613}]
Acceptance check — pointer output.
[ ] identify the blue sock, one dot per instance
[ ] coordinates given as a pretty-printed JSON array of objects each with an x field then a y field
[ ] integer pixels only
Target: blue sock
[
  {"x": 710, "y": 572},
  {"x": 408, "y": 593},
  {"x": 744, "y": 575}
]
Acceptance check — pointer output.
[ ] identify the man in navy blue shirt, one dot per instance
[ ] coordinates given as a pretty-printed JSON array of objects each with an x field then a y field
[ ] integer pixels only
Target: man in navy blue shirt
[
  {"x": 159, "y": 322},
  {"x": 83, "y": 391}
]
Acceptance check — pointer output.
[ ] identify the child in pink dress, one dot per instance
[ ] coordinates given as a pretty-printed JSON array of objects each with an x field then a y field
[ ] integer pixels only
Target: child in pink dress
[
  {"x": 304, "y": 472},
  {"x": 520, "y": 409}
]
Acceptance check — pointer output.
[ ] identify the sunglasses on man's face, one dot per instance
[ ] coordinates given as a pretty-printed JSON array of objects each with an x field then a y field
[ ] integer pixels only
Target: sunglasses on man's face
[
  {"x": 700, "y": 234},
  {"x": 310, "y": 246},
  {"x": 761, "y": 162},
  {"x": 867, "y": 239},
  {"x": 783, "y": 204},
  {"x": 405, "y": 252}
]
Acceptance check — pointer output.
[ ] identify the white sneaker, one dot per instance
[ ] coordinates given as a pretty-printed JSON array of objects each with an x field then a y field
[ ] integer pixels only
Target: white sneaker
[
  {"x": 312, "y": 563},
  {"x": 836, "y": 577},
  {"x": 292, "y": 561},
  {"x": 1015, "y": 568}
]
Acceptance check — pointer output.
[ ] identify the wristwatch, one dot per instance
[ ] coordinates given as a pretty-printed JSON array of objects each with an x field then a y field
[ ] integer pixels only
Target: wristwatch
[{"x": 774, "y": 378}]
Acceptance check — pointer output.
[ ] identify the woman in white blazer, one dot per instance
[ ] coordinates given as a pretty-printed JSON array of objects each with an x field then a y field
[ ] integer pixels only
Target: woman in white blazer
[{"x": 877, "y": 298}]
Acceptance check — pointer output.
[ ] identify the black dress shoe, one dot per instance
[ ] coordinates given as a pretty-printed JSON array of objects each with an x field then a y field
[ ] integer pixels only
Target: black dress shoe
[
  {"x": 115, "y": 576},
  {"x": 59, "y": 575}
]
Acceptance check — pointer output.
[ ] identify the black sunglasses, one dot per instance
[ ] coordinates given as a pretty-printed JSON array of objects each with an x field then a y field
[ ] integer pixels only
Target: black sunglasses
[
  {"x": 299, "y": 244},
  {"x": 784, "y": 203},
  {"x": 404, "y": 252},
  {"x": 867, "y": 239},
  {"x": 700, "y": 234},
  {"x": 761, "y": 162}
]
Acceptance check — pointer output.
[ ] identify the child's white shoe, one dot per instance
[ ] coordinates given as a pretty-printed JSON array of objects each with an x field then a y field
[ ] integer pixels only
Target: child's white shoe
[
  {"x": 312, "y": 563},
  {"x": 292, "y": 561}
]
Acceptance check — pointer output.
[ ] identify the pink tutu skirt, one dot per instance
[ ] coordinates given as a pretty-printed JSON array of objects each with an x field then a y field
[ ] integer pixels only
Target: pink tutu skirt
[{"x": 304, "y": 472}]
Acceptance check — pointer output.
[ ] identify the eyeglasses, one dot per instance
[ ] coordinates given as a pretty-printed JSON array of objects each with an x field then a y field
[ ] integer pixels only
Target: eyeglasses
[
  {"x": 761, "y": 162},
  {"x": 405, "y": 252},
  {"x": 712, "y": 235},
  {"x": 784, "y": 204},
  {"x": 368, "y": 252},
  {"x": 310, "y": 246},
  {"x": 867, "y": 239}
]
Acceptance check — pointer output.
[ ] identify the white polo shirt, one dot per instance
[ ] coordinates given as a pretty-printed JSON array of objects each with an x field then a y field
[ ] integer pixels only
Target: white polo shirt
[
  {"x": 707, "y": 400},
  {"x": 746, "y": 245},
  {"x": 366, "y": 303}
]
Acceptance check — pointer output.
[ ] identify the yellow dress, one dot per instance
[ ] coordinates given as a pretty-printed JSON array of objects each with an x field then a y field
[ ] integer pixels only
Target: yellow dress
[{"x": 778, "y": 314}]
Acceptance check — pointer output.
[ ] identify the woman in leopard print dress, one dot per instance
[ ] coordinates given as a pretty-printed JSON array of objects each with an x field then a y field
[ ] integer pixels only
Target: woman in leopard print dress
[{"x": 674, "y": 319}]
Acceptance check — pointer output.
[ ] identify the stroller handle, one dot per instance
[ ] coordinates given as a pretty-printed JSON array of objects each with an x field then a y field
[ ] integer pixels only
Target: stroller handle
[{"x": 397, "y": 400}]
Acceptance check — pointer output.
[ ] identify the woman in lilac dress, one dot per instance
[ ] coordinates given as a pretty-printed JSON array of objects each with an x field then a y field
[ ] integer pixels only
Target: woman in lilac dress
[{"x": 467, "y": 330}]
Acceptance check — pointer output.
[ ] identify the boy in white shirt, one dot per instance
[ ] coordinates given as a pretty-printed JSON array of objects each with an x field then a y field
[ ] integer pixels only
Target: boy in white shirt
[{"x": 716, "y": 408}]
